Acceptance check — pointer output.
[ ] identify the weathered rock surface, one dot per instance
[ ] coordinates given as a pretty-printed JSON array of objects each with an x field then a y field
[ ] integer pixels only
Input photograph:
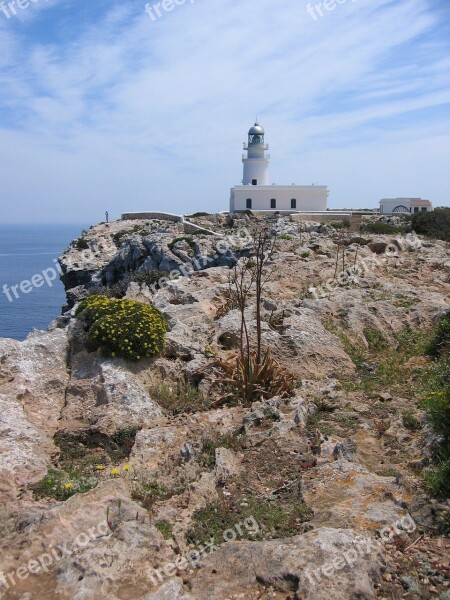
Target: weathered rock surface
[
  {"x": 337, "y": 451},
  {"x": 33, "y": 380}
]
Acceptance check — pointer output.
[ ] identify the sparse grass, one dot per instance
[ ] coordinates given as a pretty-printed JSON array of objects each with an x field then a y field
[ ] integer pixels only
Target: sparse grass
[
  {"x": 318, "y": 421},
  {"x": 147, "y": 491},
  {"x": 165, "y": 528},
  {"x": 230, "y": 302},
  {"x": 305, "y": 254},
  {"x": 410, "y": 421},
  {"x": 119, "y": 289},
  {"x": 388, "y": 472},
  {"x": 348, "y": 421},
  {"x": 285, "y": 236},
  {"x": 403, "y": 301},
  {"x": 387, "y": 359},
  {"x": 267, "y": 519},
  {"x": 233, "y": 441},
  {"x": 375, "y": 339},
  {"x": 179, "y": 398}
]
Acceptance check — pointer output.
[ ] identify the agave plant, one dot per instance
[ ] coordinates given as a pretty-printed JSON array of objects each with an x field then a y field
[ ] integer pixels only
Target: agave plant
[{"x": 245, "y": 378}]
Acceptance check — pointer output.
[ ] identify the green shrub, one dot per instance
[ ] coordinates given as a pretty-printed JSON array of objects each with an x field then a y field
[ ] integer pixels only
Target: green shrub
[
  {"x": 440, "y": 343},
  {"x": 285, "y": 236},
  {"x": 437, "y": 409},
  {"x": 345, "y": 224},
  {"x": 123, "y": 328},
  {"x": 434, "y": 224},
  {"x": 381, "y": 228},
  {"x": 81, "y": 244}
]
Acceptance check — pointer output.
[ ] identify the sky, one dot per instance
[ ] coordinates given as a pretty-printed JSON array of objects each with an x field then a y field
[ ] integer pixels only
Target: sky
[{"x": 107, "y": 107}]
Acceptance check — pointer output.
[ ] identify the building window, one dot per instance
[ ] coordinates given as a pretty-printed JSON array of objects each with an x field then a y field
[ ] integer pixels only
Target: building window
[
  {"x": 293, "y": 203},
  {"x": 273, "y": 203},
  {"x": 248, "y": 203},
  {"x": 424, "y": 209},
  {"x": 254, "y": 182},
  {"x": 416, "y": 209}
]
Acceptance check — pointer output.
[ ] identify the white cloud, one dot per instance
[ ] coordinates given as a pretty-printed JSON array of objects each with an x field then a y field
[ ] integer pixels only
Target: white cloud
[{"x": 131, "y": 112}]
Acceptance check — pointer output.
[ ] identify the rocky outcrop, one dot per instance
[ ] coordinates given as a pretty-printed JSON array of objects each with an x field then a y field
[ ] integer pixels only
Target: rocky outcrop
[
  {"x": 322, "y": 475},
  {"x": 33, "y": 383}
]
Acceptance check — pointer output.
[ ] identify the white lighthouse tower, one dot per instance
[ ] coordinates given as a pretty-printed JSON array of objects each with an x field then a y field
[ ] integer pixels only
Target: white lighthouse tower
[
  {"x": 257, "y": 194},
  {"x": 256, "y": 163}
]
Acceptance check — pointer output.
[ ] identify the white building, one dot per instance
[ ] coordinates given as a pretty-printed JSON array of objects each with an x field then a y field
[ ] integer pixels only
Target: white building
[
  {"x": 256, "y": 193},
  {"x": 404, "y": 205}
]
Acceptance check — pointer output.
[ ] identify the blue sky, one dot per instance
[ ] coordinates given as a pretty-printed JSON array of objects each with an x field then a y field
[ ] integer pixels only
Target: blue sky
[{"x": 103, "y": 108}]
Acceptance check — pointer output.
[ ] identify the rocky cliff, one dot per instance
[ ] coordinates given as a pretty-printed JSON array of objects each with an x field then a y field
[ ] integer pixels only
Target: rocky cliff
[{"x": 124, "y": 480}]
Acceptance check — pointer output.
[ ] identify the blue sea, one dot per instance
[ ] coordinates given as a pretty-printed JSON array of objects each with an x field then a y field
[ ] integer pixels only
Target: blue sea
[{"x": 28, "y": 256}]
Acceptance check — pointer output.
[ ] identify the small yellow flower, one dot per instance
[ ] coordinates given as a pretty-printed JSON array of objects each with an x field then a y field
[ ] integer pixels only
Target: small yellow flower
[
  {"x": 100, "y": 467},
  {"x": 114, "y": 472},
  {"x": 69, "y": 486},
  {"x": 126, "y": 467}
]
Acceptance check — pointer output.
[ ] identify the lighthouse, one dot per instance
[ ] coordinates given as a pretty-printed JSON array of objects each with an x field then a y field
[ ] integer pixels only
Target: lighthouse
[
  {"x": 256, "y": 161},
  {"x": 256, "y": 193}
]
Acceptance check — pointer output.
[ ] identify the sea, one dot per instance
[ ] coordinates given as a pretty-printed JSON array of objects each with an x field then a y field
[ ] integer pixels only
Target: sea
[{"x": 31, "y": 293}]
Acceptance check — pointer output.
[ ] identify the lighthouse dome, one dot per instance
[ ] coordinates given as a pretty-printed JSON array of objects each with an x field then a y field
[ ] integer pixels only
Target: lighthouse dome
[{"x": 256, "y": 129}]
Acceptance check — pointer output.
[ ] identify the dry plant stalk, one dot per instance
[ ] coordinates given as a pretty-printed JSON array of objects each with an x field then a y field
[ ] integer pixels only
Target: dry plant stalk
[{"x": 252, "y": 373}]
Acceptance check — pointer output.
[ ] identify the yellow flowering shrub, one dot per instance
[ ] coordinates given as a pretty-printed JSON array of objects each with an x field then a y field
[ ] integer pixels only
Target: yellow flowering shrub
[{"x": 123, "y": 328}]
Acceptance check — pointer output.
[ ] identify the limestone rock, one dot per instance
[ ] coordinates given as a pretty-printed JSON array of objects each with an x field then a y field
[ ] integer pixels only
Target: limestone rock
[{"x": 289, "y": 564}]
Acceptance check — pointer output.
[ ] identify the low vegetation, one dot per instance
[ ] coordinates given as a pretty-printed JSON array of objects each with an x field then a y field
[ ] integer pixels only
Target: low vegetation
[
  {"x": 234, "y": 440},
  {"x": 257, "y": 518},
  {"x": 436, "y": 404},
  {"x": 60, "y": 485},
  {"x": 380, "y": 228},
  {"x": 122, "y": 328},
  {"x": 179, "y": 397},
  {"x": 119, "y": 289},
  {"x": 253, "y": 373},
  {"x": 434, "y": 224},
  {"x": 81, "y": 244}
]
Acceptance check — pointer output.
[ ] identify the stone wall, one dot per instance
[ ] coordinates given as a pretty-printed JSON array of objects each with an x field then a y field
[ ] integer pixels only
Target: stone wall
[
  {"x": 160, "y": 216},
  {"x": 322, "y": 217}
]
